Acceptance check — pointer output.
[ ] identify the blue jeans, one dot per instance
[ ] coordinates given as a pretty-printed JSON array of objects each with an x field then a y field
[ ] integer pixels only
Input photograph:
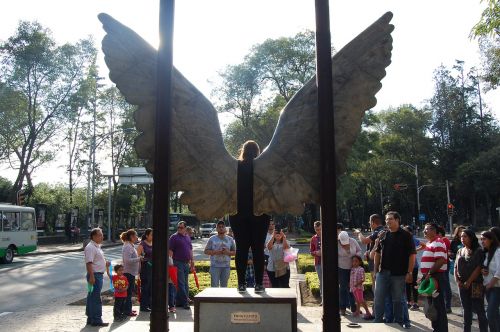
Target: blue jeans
[
  {"x": 493, "y": 298},
  {"x": 386, "y": 284},
  {"x": 219, "y": 276},
  {"x": 93, "y": 310},
  {"x": 319, "y": 271},
  {"x": 346, "y": 298},
  {"x": 182, "y": 282},
  {"x": 447, "y": 290},
  {"x": 441, "y": 324},
  {"x": 389, "y": 315},
  {"x": 130, "y": 289},
  {"x": 171, "y": 295}
]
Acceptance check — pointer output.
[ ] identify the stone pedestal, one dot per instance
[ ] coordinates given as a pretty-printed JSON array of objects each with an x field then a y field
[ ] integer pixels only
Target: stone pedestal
[{"x": 224, "y": 309}]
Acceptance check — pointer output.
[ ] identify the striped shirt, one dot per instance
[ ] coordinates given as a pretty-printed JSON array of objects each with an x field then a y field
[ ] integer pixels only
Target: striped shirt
[{"x": 433, "y": 250}]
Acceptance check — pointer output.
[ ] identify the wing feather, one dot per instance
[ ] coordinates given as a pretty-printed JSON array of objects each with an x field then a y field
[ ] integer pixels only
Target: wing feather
[
  {"x": 201, "y": 167},
  {"x": 287, "y": 173}
]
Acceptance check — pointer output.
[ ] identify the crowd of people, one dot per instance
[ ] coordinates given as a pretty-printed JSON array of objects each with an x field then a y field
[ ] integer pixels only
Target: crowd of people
[
  {"x": 398, "y": 276},
  {"x": 135, "y": 269},
  {"x": 390, "y": 257}
]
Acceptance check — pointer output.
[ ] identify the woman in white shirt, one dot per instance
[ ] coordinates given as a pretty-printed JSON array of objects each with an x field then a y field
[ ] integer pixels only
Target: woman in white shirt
[
  {"x": 347, "y": 248},
  {"x": 491, "y": 278},
  {"x": 131, "y": 266},
  {"x": 277, "y": 269}
]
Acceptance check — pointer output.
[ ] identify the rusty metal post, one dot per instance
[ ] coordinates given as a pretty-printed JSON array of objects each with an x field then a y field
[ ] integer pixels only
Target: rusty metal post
[
  {"x": 329, "y": 251},
  {"x": 161, "y": 196}
]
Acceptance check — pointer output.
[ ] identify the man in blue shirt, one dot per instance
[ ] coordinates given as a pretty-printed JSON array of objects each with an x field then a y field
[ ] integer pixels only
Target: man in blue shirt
[{"x": 220, "y": 248}]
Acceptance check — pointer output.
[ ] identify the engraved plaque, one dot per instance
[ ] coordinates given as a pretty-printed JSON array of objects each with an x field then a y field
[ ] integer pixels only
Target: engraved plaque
[{"x": 242, "y": 317}]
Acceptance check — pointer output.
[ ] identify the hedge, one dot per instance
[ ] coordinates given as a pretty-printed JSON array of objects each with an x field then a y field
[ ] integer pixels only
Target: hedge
[
  {"x": 312, "y": 282},
  {"x": 305, "y": 265}
]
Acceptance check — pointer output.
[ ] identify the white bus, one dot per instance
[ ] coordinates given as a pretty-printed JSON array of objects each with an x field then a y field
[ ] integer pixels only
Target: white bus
[{"x": 17, "y": 231}]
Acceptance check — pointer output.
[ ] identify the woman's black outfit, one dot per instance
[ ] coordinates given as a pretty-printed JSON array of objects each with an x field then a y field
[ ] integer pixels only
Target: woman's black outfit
[{"x": 249, "y": 230}]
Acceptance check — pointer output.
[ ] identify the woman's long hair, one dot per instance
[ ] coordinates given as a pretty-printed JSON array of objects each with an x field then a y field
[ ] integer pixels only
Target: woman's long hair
[
  {"x": 493, "y": 246},
  {"x": 249, "y": 151},
  {"x": 127, "y": 236},
  {"x": 146, "y": 233},
  {"x": 457, "y": 232},
  {"x": 474, "y": 242}
]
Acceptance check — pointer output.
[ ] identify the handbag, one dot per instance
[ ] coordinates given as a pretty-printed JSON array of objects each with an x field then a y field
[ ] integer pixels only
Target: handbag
[
  {"x": 430, "y": 310},
  {"x": 280, "y": 268},
  {"x": 477, "y": 290}
]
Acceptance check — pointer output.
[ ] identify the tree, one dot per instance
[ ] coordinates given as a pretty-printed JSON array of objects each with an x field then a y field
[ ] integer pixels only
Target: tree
[
  {"x": 277, "y": 67},
  {"x": 5, "y": 189},
  {"x": 489, "y": 24},
  {"x": 120, "y": 136},
  {"x": 462, "y": 132},
  {"x": 44, "y": 77},
  {"x": 490, "y": 58},
  {"x": 487, "y": 30},
  {"x": 286, "y": 63},
  {"x": 259, "y": 129}
]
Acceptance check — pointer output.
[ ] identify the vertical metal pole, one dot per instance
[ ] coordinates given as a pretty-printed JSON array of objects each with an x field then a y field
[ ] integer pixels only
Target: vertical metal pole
[
  {"x": 161, "y": 196},
  {"x": 109, "y": 208},
  {"x": 418, "y": 193},
  {"x": 450, "y": 218},
  {"x": 381, "y": 199},
  {"x": 329, "y": 253}
]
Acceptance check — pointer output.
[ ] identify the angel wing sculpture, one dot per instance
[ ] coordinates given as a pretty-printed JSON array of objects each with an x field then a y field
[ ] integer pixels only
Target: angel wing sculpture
[{"x": 287, "y": 173}]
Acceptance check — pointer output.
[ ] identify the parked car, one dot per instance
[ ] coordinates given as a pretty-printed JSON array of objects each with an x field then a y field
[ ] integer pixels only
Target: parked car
[
  {"x": 207, "y": 228},
  {"x": 229, "y": 231}
]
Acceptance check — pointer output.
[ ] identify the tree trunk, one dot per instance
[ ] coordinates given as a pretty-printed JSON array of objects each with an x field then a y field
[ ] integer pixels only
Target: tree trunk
[
  {"x": 489, "y": 204},
  {"x": 473, "y": 208}
]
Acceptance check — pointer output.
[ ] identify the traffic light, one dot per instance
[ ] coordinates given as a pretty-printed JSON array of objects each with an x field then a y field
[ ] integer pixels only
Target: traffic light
[
  {"x": 450, "y": 209},
  {"x": 400, "y": 186},
  {"x": 21, "y": 197}
]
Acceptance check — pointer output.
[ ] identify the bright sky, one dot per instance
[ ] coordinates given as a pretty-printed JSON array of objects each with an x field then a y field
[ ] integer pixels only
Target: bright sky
[{"x": 212, "y": 34}]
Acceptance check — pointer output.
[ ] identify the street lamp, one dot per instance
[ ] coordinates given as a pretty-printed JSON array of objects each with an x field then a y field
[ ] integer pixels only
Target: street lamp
[{"x": 415, "y": 168}]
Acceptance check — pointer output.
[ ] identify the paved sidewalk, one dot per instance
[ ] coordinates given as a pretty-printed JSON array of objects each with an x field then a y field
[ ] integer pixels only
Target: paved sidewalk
[
  {"x": 45, "y": 249},
  {"x": 59, "y": 316}
]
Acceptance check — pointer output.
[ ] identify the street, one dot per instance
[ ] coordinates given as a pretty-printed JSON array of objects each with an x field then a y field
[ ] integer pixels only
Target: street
[{"x": 32, "y": 281}]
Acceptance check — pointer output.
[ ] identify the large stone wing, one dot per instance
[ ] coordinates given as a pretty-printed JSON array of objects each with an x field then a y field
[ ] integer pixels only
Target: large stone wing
[
  {"x": 201, "y": 167},
  {"x": 287, "y": 173}
]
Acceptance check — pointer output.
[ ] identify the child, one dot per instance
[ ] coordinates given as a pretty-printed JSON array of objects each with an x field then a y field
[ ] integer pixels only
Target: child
[
  {"x": 356, "y": 286},
  {"x": 120, "y": 283},
  {"x": 171, "y": 289}
]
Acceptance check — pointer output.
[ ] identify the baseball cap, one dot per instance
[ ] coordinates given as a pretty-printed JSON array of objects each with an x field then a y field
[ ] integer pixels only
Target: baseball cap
[{"x": 344, "y": 238}]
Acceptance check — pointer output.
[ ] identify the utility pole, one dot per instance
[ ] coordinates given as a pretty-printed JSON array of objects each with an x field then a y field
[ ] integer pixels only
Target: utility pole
[
  {"x": 450, "y": 217},
  {"x": 381, "y": 199}
]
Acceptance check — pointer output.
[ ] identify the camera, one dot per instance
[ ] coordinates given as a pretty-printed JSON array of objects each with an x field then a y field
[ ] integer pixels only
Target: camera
[{"x": 277, "y": 229}]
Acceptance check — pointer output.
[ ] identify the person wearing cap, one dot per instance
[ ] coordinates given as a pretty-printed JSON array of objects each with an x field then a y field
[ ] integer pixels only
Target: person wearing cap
[
  {"x": 348, "y": 247},
  {"x": 220, "y": 248},
  {"x": 393, "y": 263}
]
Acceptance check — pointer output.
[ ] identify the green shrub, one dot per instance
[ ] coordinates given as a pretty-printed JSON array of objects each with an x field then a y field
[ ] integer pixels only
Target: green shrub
[
  {"x": 204, "y": 266},
  {"x": 204, "y": 281},
  {"x": 312, "y": 281},
  {"x": 305, "y": 263},
  {"x": 302, "y": 240}
]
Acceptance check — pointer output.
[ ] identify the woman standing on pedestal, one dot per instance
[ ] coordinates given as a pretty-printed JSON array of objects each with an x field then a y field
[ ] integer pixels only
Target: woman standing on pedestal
[{"x": 249, "y": 230}]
